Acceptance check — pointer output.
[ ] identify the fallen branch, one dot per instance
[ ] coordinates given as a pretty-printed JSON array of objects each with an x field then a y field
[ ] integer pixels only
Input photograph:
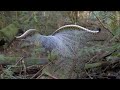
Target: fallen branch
[
  {"x": 40, "y": 71},
  {"x": 102, "y": 55},
  {"x": 48, "y": 74},
  {"x": 98, "y": 64},
  {"x": 6, "y": 60},
  {"x": 102, "y": 64}
]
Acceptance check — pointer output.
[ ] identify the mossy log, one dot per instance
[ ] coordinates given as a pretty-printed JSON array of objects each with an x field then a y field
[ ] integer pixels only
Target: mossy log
[
  {"x": 97, "y": 64},
  {"x": 6, "y": 60},
  {"x": 42, "y": 61}
]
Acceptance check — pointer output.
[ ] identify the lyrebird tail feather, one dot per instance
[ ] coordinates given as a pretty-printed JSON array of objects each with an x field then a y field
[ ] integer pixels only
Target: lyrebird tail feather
[
  {"x": 74, "y": 26},
  {"x": 26, "y": 33}
]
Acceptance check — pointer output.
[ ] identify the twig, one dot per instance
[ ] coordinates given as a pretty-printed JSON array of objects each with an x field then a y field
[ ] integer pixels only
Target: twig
[
  {"x": 24, "y": 67},
  {"x": 19, "y": 60},
  {"x": 102, "y": 23},
  {"x": 92, "y": 58},
  {"x": 88, "y": 75},
  {"x": 32, "y": 66},
  {"x": 48, "y": 74},
  {"x": 105, "y": 69},
  {"x": 40, "y": 70},
  {"x": 101, "y": 55},
  {"x": 109, "y": 53},
  {"x": 39, "y": 76},
  {"x": 115, "y": 65}
]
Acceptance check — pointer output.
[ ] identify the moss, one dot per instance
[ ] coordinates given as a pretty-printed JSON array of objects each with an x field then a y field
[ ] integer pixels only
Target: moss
[
  {"x": 52, "y": 56},
  {"x": 9, "y": 32}
]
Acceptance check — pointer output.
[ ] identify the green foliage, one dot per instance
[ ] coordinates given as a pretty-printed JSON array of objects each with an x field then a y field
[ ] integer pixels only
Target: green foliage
[
  {"x": 7, "y": 59},
  {"x": 37, "y": 51},
  {"x": 9, "y": 32},
  {"x": 87, "y": 51},
  {"x": 7, "y": 74},
  {"x": 2, "y": 57},
  {"x": 52, "y": 56},
  {"x": 117, "y": 54}
]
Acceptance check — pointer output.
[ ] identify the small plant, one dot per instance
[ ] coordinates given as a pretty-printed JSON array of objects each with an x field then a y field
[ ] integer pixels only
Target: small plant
[
  {"x": 52, "y": 56},
  {"x": 7, "y": 73}
]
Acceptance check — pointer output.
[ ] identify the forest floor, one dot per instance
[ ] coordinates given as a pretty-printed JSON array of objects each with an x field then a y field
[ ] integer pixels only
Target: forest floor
[{"x": 107, "y": 71}]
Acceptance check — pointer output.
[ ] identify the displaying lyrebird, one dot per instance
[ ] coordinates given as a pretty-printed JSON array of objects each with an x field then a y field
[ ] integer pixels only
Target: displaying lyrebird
[{"x": 66, "y": 40}]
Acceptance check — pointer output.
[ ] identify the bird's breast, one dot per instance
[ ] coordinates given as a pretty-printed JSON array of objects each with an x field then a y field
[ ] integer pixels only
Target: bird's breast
[{"x": 49, "y": 42}]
